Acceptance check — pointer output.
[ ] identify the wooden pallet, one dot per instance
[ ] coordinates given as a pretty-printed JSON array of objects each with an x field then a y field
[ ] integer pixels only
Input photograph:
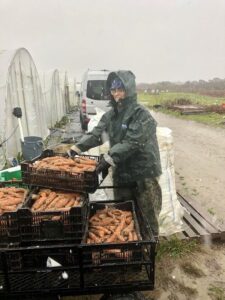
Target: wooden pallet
[
  {"x": 198, "y": 223},
  {"x": 189, "y": 109}
]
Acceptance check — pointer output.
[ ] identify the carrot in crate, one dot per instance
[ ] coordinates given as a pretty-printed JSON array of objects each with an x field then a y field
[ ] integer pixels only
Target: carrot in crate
[
  {"x": 11, "y": 198},
  {"x": 111, "y": 226},
  {"x": 59, "y": 163},
  {"x": 50, "y": 200}
]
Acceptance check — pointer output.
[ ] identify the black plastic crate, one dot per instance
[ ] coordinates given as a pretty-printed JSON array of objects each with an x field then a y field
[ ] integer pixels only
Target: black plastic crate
[
  {"x": 107, "y": 252},
  {"x": 52, "y": 226},
  {"x": 134, "y": 266},
  {"x": 23, "y": 270},
  {"x": 9, "y": 225},
  {"x": 87, "y": 181},
  {"x": 9, "y": 261},
  {"x": 9, "y": 229},
  {"x": 28, "y": 269}
]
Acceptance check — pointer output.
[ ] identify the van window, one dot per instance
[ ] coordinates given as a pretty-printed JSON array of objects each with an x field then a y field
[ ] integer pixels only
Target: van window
[{"x": 96, "y": 90}]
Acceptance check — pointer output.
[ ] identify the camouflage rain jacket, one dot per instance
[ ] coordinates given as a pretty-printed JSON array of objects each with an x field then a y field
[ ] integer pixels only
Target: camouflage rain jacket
[{"x": 132, "y": 135}]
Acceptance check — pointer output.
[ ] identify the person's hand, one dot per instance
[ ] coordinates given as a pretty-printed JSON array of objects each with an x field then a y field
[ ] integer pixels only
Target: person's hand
[
  {"x": 71, "y": 153},
  {"x": 47, "y": 153},
  {"x": 103, "y": 167}
]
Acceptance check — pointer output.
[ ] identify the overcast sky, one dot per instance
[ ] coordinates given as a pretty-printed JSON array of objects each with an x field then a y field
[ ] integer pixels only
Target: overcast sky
[{"x": 175, "y": 40}]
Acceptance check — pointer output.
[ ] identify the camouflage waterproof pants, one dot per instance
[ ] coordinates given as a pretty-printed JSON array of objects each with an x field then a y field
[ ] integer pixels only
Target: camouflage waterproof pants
[{"x": 149, "y": 197}]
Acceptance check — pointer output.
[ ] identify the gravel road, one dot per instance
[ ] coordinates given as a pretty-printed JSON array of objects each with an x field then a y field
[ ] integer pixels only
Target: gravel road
[{"x": 199, "y": 152}]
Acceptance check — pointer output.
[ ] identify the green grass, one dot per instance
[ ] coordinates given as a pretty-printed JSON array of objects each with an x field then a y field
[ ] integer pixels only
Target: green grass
[
  {"x": 176, "y": 248},
  {"x": 191, "y": 269},
  {"x": 212, "y": 119},
  {"x": 62, "y": 122},
  {"x": 211, "y": 211},
  {"x": 194, "y": 98},
  {"x": 217, "y": 293}
]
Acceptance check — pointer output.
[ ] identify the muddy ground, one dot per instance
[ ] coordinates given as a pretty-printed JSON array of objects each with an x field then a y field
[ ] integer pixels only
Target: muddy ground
[
  {"x": 199, "y": 152},
  {"x": 200, "y": 173}
]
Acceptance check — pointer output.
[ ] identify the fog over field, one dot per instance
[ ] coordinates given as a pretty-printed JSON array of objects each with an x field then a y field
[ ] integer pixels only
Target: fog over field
[{"x": 159, "y": 39}]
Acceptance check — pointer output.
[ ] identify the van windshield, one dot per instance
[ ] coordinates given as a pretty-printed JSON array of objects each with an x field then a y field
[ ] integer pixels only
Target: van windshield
[{"x": 96, "y": 90}]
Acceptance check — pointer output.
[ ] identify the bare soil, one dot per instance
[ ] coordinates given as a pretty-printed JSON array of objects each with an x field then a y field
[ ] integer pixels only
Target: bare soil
[{"x": 199, "y": 152}]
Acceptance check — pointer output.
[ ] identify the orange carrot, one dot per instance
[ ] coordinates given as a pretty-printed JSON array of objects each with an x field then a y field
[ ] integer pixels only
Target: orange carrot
[
  {"x": 61, "y": 203},
  {"x": 129, "y": 228},
  {"x": 105, "y": 230},
  {"x": 39, "y": 202},
  {"x": 50, "y": 198},
  {"x": 82, "y": 160},
  {"x": 98, "y": 233},
  {"x": 117, "y": 231},
  {"x": 9, "y": 207},
  {"x": 10, "y": 201},
  {"x": 94, "y": 237}
]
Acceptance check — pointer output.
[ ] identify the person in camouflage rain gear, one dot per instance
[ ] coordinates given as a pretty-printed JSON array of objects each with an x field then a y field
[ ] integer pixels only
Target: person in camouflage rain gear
[{"x": 134, "y": 153}]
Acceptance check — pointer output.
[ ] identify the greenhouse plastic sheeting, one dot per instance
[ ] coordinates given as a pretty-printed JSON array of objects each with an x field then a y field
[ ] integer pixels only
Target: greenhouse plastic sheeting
[
  {"x": 66, "y": 91},
  {"x": 70, "y": 92},
  {"x": 19, "y": 87},
  {"x": 53, "y": 96}
]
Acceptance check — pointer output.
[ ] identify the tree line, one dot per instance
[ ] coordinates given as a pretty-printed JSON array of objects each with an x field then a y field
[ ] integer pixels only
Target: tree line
[{"x": 214, "y": 87}]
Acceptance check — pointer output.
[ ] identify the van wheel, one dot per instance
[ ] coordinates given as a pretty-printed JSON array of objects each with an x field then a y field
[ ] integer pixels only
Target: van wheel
[{"x": 83, "y": 125}]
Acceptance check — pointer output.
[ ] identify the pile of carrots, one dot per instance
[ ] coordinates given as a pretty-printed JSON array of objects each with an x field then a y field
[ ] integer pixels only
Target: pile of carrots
[
  {"x": 49, "y": 200},
  {"x": 111, "y": 226},
  {"x": 11, "y": 198},
  {"x": 59, "y": 163}
]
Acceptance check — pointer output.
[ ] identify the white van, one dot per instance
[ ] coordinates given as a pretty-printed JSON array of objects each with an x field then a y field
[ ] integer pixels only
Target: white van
[{"x": 93, "y": 95}]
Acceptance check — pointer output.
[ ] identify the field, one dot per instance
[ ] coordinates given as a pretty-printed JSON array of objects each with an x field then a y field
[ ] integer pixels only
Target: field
[
  {"x": 211, "y": 118},
  {"x": 163, "y": 97}
]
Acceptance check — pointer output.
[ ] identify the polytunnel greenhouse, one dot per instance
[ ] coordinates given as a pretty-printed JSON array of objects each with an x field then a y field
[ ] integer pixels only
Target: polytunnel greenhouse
[
  {"x": 19, "y": 87},
  {"x": 71, "y": 83},
  {"x": 53, "y": 96},
  {"x": 69, "y": 90},
  {"x": 66, "y": 90}
]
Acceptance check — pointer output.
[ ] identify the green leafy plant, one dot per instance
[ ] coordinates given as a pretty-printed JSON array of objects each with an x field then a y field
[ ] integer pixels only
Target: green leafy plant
[
  {"x": 19, "y": 157},
  {"x": 191, "y": 269},
  {"x": 62, "y": 122},
  {"x": 176, "y": 248},
  {"x": 211, "y": 211},
  {"x": 216, "y": 292}
]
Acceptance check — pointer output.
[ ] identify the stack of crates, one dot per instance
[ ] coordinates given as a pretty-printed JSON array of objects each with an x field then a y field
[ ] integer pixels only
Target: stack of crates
[{"x": 51, "y": 254}]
